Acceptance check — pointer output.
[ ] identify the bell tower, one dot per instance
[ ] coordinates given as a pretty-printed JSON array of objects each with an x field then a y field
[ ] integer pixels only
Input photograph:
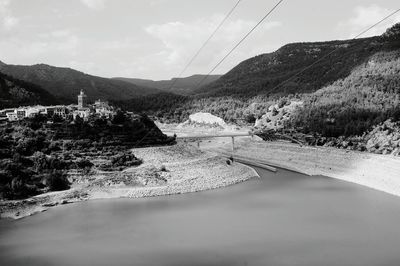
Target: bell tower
[{"x": 82, "y": 100}]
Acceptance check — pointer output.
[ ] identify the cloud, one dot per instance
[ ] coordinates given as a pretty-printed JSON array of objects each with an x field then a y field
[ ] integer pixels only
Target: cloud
[
  {"x": 45, "y": 44},
  {"x": 366, "y": 16},
  {"x": 180, "y": 41},
  {"x": 94, "y": 4},
  {"x": 7, "y": 20}
]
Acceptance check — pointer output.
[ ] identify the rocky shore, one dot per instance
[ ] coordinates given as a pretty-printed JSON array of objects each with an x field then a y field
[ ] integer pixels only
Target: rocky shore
[{"x": 165, "y": 170}]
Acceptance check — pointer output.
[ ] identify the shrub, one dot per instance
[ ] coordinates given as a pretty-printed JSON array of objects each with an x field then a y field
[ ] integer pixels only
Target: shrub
[
  {"x": 125, "y": 159},
  {"x": 84, "y": 163},
  {"x": 57, "y": 180}
]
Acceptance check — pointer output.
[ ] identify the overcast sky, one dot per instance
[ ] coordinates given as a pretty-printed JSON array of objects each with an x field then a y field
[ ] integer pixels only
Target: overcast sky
[{"x": 155, "y": 38}]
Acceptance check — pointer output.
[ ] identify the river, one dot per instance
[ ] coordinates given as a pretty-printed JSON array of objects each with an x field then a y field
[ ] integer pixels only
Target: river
[{"x": 281, "y": 219}]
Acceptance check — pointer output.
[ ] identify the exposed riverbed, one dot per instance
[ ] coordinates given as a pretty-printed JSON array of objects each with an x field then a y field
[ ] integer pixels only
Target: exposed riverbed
[{"x": 280, "y": 219}]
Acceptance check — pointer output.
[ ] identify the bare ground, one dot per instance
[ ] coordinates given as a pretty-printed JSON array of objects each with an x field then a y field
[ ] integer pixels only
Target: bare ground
[
  {"x": 381, "y": 172},
  {"x": 165, "y": 170}
]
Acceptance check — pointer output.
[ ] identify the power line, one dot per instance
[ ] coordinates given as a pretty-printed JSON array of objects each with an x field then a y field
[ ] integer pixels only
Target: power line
[
  {"x": 237, "y": 44},
  {"x": 331, "y": 52},
  {"x": 206, "y": 42}
]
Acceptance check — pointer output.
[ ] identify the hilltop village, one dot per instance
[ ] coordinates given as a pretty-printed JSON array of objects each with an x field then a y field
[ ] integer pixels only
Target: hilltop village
[{"x": 82, "y": 110}]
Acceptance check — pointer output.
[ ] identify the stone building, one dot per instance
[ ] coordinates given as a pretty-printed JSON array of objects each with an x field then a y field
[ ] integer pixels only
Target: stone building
[{"x": 82, "y": 98}]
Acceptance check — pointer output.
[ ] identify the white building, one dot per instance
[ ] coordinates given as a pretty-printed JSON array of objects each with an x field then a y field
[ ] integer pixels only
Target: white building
[
  {"x": 83, "y": 113},
  {"x": 100, "y": 108},
  {"x": 103, "y": 109}
]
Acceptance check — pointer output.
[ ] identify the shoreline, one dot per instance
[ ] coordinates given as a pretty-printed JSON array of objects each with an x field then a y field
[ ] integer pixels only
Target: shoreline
[
  {"x": 376, "y": 171},
  {"x": 188, "y": 169}
]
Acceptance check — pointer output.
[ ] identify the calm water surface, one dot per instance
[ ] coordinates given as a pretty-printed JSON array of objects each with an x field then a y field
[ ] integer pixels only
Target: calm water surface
[{"x": 280, "y": 219}]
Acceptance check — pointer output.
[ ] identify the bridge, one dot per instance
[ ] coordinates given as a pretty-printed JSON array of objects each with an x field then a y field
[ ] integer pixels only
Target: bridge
[
  {"x": 265, "y": 135},
  {"x": 232, "y": 136}
]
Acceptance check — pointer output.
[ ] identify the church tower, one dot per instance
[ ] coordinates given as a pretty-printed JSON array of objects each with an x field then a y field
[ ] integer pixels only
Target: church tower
[{"x": 81, "y": 100}]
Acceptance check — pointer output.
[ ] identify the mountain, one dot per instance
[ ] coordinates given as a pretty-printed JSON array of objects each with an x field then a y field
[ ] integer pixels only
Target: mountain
[
  {"x": 368, "y": 65},
  {"x": 14, "y": 93},
  {"x": 350, "y": 106},
  {"x": 65, "y": 83},
  {"x": 261, "y": 74},
  {"x": 182, "y": 86}
]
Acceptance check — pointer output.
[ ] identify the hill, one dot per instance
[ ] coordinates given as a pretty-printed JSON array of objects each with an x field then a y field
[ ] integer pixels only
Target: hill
[
  {"x": 182, "y": 86},
  {"x": 246, "y": 92},
  {"x": 261, "y": 74},
  {"x": 351, "y": 106},
  {"x": 65, "y": 83},
  {"x": 14, "y": 93}
]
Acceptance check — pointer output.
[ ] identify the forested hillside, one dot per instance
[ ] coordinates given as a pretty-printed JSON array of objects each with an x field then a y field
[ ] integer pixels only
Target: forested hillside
[
  {"x": 65, "y": 83},
  {"x": 14, "y": 93},
  {"x": 351, "y": 106},
  {"x": 261, "y": 74}
]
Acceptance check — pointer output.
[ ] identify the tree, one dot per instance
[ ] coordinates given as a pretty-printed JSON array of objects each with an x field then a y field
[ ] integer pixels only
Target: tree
[{"x": 57, "y": 180}]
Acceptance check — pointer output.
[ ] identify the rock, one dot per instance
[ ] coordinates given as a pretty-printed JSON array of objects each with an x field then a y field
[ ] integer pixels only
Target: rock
[
  {"x": 51, "y": 204},
  {"x": 344, "y": 144},
  {"x": 396, "y": 152}
]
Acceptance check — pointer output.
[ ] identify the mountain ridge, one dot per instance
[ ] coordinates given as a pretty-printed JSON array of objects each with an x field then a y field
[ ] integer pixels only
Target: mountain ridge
[
  {"x": 65, "y": 83},
  {"x": 182, "y": 86}
]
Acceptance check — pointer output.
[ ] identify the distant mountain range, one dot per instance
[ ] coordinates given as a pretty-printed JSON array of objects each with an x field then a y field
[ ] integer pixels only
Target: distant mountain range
[
  {"x": 65, "y": 83},
  {"x": 182, "y": 86}
]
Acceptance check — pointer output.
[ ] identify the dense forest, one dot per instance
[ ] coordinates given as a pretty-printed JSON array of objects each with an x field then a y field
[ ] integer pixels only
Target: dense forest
[
  {"x": 65, "y": 83},
  {"x": 351, "y": 106},
  {"x": 173, "y": 108},
  {"x": 14, "y": 93}
]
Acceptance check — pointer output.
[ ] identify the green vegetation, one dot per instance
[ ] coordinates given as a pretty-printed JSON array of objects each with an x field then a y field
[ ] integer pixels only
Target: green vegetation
[
  {"x": 65, "y": 83},
  {"x": 37, "y": 155},
  {"x": 14, "y": 93},
  {"x": 172, "y": 108},
  {"x": 351, "y": 106},
  {"x": 181, "y": 86}
]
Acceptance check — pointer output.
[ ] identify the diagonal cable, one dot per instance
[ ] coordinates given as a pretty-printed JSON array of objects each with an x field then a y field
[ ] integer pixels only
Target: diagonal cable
[
  {"x": 334, "y": 50},
  {"x": 237, "y": 44},
  {"x": 205, "y": 43}
]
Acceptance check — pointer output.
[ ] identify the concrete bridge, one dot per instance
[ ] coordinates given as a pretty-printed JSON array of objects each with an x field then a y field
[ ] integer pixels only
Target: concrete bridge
[{"x": 197, "y": 138}]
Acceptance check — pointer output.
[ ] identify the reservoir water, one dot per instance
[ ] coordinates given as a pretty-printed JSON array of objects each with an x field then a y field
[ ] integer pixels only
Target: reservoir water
[{"x": 281, "y": 219}]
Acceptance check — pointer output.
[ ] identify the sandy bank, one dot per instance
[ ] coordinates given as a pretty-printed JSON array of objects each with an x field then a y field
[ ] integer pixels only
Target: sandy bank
[
  {"x": 381, "y": 172},
  {"x": 166, "y": 170}
]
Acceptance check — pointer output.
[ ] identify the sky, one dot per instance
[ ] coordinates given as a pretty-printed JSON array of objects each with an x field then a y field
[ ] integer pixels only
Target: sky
[{"x": 154, "y": 39}]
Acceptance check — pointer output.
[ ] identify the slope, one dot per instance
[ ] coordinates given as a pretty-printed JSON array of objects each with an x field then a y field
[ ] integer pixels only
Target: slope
[
  {"x": 182, "y": 86},
  {"x": 14, "y": 93},
  {"x": 65, "y": 83},
  {"x": 261, "y": 74}
]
